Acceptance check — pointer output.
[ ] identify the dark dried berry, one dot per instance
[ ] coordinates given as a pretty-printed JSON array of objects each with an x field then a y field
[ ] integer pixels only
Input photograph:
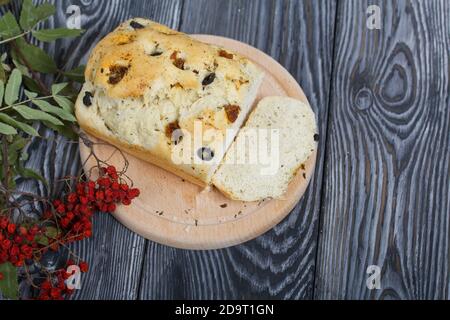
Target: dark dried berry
[
  {"x": 205, "y": 153},
  {"x": 179, "y": 63},
  {"x": 224, "y": 54},
  {"x": 87, "y": 99},
  {"x": 171, "y": 127},
  {"x": 209, "y": 79},
  {"x": 136, "y": 25},
  {"x": 232, "y": 112},
  {"x": 116, "y": 73},
  {"x": 174, "y": 133},
  {"x": 316, "y": 137}
]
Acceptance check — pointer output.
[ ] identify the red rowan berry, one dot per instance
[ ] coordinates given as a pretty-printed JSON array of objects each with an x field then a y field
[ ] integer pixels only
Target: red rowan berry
[
  {"x": 46, "y": 285},
  {"x": 84, "y": 200},
  {"x": 99, "y": 195},
  {"x": 84, "y": 267},
  {"x": 55, "y": 293},
  {"x": 4, "y": 223},
  {"x": 23, "y": 231},
  {"x": 72, "y": 197},
  {"x": 60, "y": 208},
  {"x": 11, "y": 228}
]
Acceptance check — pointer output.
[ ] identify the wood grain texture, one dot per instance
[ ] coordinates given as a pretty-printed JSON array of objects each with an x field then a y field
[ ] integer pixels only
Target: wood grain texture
[
  {"x": 281, "y": 263},
  {"x": 387, "y": 190},
  {"x": 114, "y": 253}
]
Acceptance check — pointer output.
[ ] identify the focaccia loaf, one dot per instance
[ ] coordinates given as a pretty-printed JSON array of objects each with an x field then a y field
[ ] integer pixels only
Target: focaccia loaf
[{"x": 148, "y": 87}]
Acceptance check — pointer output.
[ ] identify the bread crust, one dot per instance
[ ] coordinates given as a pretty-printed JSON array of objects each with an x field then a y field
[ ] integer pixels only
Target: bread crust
[{"x": 139, "y": 88}]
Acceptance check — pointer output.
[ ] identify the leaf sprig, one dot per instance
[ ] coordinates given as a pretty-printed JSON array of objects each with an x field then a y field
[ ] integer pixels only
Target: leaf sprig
[{"x": 26, "y": 100}]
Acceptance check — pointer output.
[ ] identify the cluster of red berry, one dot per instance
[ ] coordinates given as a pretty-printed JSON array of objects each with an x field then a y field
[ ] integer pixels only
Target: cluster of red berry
[
  {"x": 71, "y": 218},
  {"x": 55, "y": 287},
  {"x": 17, "y": 242}
]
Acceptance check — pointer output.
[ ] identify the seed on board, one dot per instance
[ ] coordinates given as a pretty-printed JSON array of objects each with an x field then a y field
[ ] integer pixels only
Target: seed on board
[
  {"x": 209, "y": 79},
  {"x": 87, "y": 99},
  {"x": 136, "y": 25},
  {"x": 205, "y": 153},
  {"x": 316, "y": 137}
]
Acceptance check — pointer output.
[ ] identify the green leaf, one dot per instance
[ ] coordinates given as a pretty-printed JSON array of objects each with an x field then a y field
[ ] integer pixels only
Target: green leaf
[
  {"x": 51, "y": 232},
  {"x": 22, "y": 68},
  {"x": 32, "y": 114},
  {"x": 57, "y": 87},
  {"x": 19, "y": 125},
  {"x": 13, "y": 155},
  {"x": 2, "y": 91},
  {"x": 7, "y": 129},
  {"x": 13, "y": 87},
  {"x": 66, "y": 131},
  {"x": 31, "y": 84},
  {"x": 47, "y": 107},
  {"x": 31, "y": 174},
  {"x": 27, "y": 16},
  {"x": 8, "y": 26},
  {"x": 18, "y": 144},
  {"x": 9, "y": 286},
  {"x": 49, "y": 35},
  {"x": 31, "y": 15},
  {"x": 64, "y": 103},
  {"x": 37, "y": 59},
  {"x": 44, "y": 11},
  {"x": 2, "y": 74},
  {"x": 24, "y": 156},
  {"x": 30, "y": 94},
  {"x": 41, "y": 239},
  {"x": 76, "y": 74}
]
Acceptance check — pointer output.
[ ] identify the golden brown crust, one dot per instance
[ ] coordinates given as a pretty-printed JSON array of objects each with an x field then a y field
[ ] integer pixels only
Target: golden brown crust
[{"x": 178, "y": 60}]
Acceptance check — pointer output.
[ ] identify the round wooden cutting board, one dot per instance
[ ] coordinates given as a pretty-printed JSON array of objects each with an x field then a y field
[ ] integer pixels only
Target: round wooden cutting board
[{"x": 178, "y": 213}]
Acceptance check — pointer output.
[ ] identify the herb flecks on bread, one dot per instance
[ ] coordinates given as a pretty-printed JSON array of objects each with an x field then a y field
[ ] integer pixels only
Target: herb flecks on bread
[{"x": 145, "y": 80}]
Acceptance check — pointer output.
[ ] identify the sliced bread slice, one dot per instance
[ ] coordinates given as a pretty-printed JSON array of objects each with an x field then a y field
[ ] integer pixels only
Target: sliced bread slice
[{"x": 280, "y": 135}]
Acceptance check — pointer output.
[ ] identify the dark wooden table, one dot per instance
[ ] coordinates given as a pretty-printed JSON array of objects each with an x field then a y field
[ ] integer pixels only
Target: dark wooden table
[{"x": 381, "y": 191}]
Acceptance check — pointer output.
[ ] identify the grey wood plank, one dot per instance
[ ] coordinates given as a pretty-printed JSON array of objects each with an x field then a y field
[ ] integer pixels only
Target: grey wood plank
[
  {"x": 114, "y": 253},
  {"x": 387, "y": 191},
  {"x": 281, "y": 263}
]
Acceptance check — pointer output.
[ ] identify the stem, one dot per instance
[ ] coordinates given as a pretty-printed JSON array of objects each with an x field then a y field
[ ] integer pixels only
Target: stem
[
  {"x": 27, "y": 101},
  {"x": 15, "y": 37}
]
